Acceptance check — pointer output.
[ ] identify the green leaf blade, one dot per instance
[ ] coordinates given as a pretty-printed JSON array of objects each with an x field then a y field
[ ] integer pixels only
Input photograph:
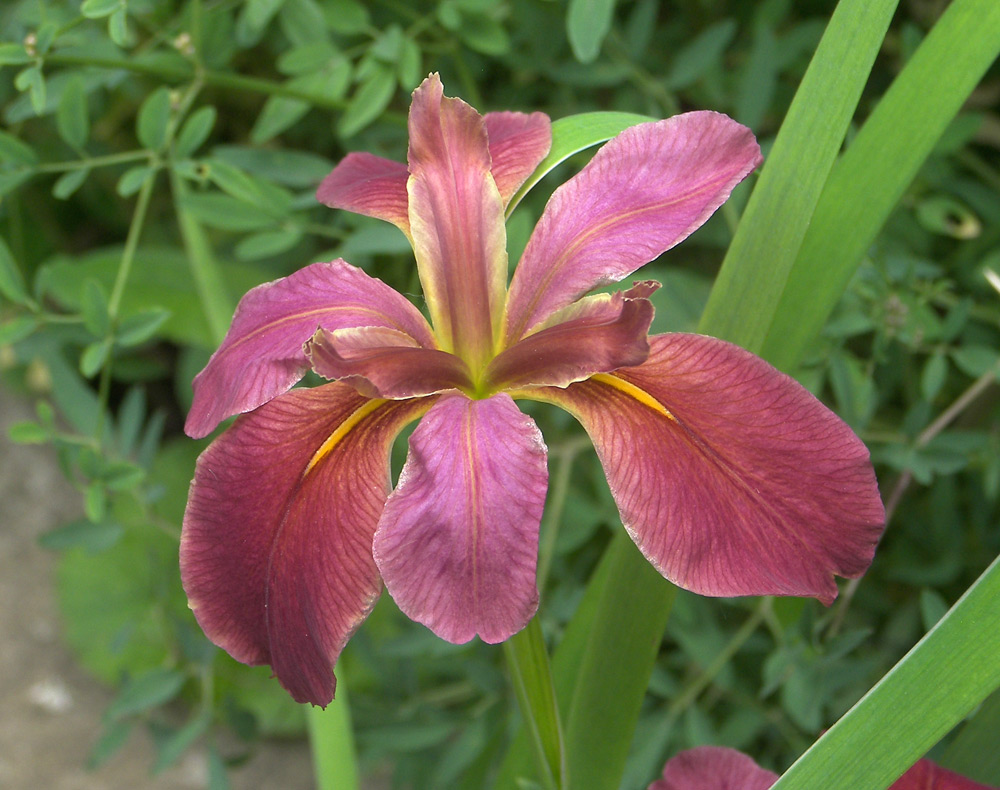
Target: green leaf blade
[
  {"x": 770, "y": 233},
  {"x": 587, "y": 24},
  {"x": 950, "y": 671},
  {"x": 880, "y": 163}
]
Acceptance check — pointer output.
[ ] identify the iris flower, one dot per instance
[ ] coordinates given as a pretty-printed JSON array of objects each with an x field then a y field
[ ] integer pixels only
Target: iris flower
[
  {"x": 721, "y": 768},
  {"x": 729, "y": 476}
]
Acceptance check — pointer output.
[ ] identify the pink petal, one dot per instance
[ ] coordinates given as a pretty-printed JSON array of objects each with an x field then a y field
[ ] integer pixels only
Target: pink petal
[
  {"x": 369, "y": 185},
  {"x": 713, "y": 768},
  {"x": 925, "y": 775},
  {"x": 595, "y": 335},
  {"x": 276, "y": 546},
  {"x": 385, "y": 363},
  {"x": 518, "y": 143},
  {"x": 457, "y": 543},
  {"x": 731, "y": 478},
  {"x": 262, "y": 354},
  {"x": 642, "y": 193},
  {"x": 456, "y": 218}
]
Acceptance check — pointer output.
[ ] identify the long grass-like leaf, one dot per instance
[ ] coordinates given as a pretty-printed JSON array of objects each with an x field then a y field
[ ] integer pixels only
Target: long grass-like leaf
[
  {"x": 950, "y": 671},
  {"x": 879, "y": 165},
  {"x": 760, "y": 258}
]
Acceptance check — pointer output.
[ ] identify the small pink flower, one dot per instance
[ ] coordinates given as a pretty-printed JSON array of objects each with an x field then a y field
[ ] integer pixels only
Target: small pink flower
[
  {"x": 721, "y": 768},
  {"x": 730, "y": 477}
]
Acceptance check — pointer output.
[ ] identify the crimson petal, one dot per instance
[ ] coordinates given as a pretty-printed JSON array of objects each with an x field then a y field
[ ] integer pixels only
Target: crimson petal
[
  {"x": 518, "y": 142},
  {"x": 262, "y": 354},
  {"x": 731, "y": 478},
  {"x": 385, "y": 363},
  {"x": 713, "y": 768},
  {"x": 276, "y": 548},
  {"x": 642, "y": 193},
  {"x": 369, "y": 185},
  {"x": 457, "y": 544},
  {"x": 594, "y": 335}
]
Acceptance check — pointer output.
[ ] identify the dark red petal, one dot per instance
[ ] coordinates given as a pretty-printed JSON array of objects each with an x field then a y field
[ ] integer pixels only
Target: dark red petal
[
  {"x": 595, "y": 335},
  {"x": 385, "y": 363},
  {"x": 276, "y": 548},
  {"x": 731, "y": 478},
  {"x": 713, "y": 768}
]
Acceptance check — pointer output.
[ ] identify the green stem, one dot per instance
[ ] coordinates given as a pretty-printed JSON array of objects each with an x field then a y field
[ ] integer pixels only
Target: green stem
[
  {"x": 331, "y": 741},
  {"x": 118, "y": 290},
  {"x": 215, "y": 79},
  {"x": 531, "y": 676},
  {"x": 212, "y": 293},
  {"x": 556, "y": 504},
  {"x": 91, "y": 161}
]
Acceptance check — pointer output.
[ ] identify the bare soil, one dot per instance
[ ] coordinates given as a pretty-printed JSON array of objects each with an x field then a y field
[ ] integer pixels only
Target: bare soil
[{"x": 50, "y": 708}]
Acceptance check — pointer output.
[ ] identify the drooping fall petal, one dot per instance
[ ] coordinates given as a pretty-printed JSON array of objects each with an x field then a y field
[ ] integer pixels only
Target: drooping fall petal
[
  {"x": 713, "y": 768},
  {"x": 456, "y": 220},
  {"x": 642, "y": 193},
  {"x": 721, "y": 768},
  {"x": 370, "y": 185},
  {"x": 925, "y": 775},
  {"x": 597, "y": 334},
  {"x": 384, "y": 363},
  {"x": 731, "y": 478},
  {"x": 275, "y": 551},
  {"x": 262, "y": 354},
  {"x": 518, "y": 142},
  {"x": 457, "y": 544}
]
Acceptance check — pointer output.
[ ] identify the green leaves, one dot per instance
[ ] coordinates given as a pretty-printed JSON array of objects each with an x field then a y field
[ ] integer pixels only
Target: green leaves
[
  {"x": 780, "y": 210},
  {"x": 927, "y": 693},
  {"x": 72, "y": 118},
  {"x": 154, "y": 115},
  {"x": 587, "y": 23},
  {"x": 528, "y": 664},
  {"x": 880, "y": 163},
  {"x": 574, "y": 134}
]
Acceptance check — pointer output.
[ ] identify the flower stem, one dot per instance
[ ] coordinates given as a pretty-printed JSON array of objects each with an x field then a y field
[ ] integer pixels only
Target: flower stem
[
  {"x": 118, "y": 290},
  {"x": 531, "y": 676},
  {"x": 332, "y": 743},
  {"x": 215, "y": 301}
]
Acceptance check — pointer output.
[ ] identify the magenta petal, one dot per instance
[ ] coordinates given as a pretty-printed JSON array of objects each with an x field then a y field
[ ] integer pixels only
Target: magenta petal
[
  {"x": 458, "y": 541},
  {"x": 642, "y": 193},
  {"x": 369, "y": 185},
  {"x": 457, "y": 224},
  {"x": 925, "y": 775},
  {"x": 262, "y": 354},
  {"x": 384, "y": 363},
  {"x": 713, "y": 768},
  {"x": 518, "y": 142},
  {"x": 731, "y": 478},
  {"x": 595, "y": 335},
  {"x": 276, "y": 547}
]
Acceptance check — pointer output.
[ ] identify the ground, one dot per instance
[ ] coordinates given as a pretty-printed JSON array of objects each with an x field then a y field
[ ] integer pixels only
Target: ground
[{"x": 51, "y": 707}]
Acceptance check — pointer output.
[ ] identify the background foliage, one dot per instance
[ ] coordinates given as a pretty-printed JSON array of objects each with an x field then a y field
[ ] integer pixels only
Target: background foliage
[{"x": 159, "y": 158}]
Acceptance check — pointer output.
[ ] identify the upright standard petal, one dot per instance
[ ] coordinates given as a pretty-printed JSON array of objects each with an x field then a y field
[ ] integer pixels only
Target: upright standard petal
[
  {"x": 262, "y": 354},
  {"x": 456, "y": 219},
  {"x": 370, "y": 185},
  {"x": 642, "y": 193},
  {"x": 518, "y": 143},
  {"x": 276, "y": 548},
  {"x": 458, "y": 541},
  {"x": 713, "y": 768},
  {"x": 384, "y": 363},
  {"x": 731, "y": 478}
]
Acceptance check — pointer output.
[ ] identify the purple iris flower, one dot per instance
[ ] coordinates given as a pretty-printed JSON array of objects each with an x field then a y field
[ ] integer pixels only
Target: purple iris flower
[
  {"x": 729, "y": 476},
  {"x": 721, "y": 768}
]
